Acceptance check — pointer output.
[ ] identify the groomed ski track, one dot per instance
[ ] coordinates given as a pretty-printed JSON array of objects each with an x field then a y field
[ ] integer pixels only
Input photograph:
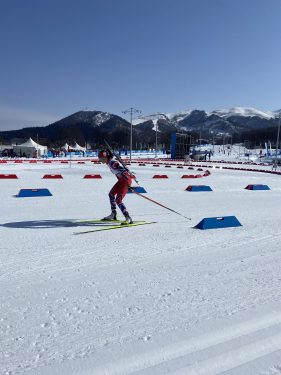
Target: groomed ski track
[
  {"x": 244, "y": 339},
  {"x": 229, "y": 348},
  {"x": 154, "y": 300}
]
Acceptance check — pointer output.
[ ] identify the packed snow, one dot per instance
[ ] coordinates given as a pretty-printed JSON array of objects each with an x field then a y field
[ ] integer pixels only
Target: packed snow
[
  {"x": 243, "y": 111},
  {"x": 154, "y": 117},
  {"x": 159, "y": 299}
]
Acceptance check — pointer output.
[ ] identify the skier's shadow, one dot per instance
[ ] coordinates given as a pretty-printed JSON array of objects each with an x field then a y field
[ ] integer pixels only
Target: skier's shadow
[{"x": 39, "y": 224}]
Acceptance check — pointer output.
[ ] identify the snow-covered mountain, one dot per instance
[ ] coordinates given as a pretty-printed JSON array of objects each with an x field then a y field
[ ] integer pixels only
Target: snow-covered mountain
[
  {"x": 93, "y": 117},
  {"x": 230, "y": 121},
  {"x": 93, "y": 125},
  {"x": 243, "y": 111},
  {"x": 154, "y": 117}
]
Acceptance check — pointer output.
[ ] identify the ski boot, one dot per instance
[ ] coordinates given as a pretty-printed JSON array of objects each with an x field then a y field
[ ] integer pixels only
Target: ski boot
[
  {"x": 128, "y": 220},
  {"x": 111, "y": 217}
]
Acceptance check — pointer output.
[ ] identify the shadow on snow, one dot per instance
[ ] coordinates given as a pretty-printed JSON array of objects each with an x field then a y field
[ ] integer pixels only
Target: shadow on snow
[{"x": 38, "y": 224}]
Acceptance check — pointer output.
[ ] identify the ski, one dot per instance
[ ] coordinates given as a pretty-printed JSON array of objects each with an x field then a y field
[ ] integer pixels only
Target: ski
[
  {"x": 98, "y": 221},
  {"x": 117, "y": 226}
]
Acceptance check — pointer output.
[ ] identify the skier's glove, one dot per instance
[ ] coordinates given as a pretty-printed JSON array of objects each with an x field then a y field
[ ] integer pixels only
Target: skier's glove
[{"x": 131, "y": 189}]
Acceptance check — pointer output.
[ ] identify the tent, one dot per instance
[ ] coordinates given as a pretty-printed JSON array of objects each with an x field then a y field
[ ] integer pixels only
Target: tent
[
  {"x": 66, "y": 147},
  {"x": 76, "y": 147},
  {"x": 30, "y": 149}
]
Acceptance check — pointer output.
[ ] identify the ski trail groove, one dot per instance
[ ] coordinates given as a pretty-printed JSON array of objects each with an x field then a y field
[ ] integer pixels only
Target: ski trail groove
[
  {"x": 34, "y": 268},
  {"x": 210, "y": 366},
  {"x": 233, "y": 358}
]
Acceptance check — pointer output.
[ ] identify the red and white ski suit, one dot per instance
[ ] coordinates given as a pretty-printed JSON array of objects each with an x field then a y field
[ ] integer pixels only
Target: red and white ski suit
[{"x": 120, "y": 189}]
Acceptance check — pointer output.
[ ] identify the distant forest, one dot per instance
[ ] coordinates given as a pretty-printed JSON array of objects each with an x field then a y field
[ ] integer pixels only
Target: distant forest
[{"x": 56, "y": 136}]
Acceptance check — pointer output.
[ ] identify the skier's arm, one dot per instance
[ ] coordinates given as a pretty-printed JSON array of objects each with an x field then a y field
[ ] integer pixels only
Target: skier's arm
[
  {"x": 120, "y": 171},
  {"x": 127, "y": 175}
]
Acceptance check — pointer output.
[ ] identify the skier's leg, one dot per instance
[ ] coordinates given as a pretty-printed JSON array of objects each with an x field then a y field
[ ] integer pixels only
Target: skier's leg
[
  {"x": 112, "y": 195},
  {"x": 112, "y": 200},
  {"x": 122, "y": 191}
]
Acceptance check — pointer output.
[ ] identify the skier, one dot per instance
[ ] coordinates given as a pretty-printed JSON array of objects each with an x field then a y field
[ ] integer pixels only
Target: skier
[{"x": 120, "y": 189}]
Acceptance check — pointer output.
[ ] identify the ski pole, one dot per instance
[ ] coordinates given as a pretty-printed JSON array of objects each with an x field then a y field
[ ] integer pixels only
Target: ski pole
[{"x": 159, "y": 204}]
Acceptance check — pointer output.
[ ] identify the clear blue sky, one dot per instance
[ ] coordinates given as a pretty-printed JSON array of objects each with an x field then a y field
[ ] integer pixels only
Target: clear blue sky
[{"x": 59, "y": 56}]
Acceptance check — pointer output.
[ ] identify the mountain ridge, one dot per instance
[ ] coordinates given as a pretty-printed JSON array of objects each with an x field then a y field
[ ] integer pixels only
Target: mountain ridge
[{"x": 93, "y": 126}]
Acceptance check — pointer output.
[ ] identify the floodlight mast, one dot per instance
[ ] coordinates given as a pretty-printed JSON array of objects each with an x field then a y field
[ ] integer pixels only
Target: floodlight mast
[
  {"x": 131, "y": 111},
  {"x": 277, "y": 143}
]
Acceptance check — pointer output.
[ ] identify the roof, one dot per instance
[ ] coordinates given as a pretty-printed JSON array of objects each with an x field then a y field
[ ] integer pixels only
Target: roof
[
  {"x": 30, "y": 143},
  {"x": 77, "y": 147}
]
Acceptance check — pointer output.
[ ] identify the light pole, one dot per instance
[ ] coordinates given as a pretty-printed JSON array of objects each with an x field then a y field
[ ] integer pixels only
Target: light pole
[
  {"x": 277, "y": 142},
  {"x": 37, "y": 147},
  {"x": 156, "y": 141},
  {"x": 131, "y": 111},
  {"x": 213, "y": 140},
  {"x": 156, "y": 131}
]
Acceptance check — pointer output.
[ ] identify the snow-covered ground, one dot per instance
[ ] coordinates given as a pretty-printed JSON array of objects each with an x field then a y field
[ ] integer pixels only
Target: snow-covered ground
[{"x": 150, "y": 300}]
